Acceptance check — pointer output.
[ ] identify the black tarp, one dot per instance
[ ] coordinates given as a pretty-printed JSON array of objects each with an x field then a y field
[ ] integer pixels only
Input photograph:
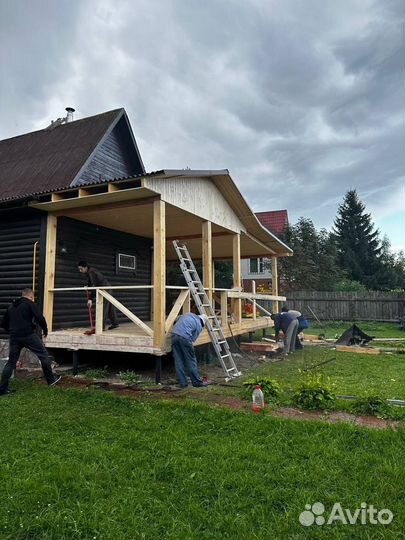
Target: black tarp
[{"x": 353, "y": 336}]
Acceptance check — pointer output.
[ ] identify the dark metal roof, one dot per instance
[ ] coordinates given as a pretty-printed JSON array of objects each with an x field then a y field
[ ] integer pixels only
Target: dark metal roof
[{"x": 47, "y": 160}]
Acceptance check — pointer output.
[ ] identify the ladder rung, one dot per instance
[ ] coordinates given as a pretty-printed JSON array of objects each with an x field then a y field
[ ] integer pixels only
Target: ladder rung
[
  {"x": 224, "y": 356},
  {"x": 205, "y": 305}
]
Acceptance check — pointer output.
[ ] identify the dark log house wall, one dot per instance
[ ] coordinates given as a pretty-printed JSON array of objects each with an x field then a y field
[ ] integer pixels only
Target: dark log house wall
[
  {"x": 19, "y": 230},
  {"x": 99, "y": 246}
]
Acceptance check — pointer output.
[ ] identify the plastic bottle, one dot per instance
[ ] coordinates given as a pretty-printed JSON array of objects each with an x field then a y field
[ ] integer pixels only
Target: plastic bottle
[{"x": 257, "y": 399}]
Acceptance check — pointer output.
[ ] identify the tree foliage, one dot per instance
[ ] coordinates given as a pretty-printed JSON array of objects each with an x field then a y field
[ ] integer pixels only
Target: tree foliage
[
  {"x": 362, "y": 255},
  {"x": 357, "y": 241},
  {"x": 313, "y": 265},
  {"x": 350, "y": 258}
]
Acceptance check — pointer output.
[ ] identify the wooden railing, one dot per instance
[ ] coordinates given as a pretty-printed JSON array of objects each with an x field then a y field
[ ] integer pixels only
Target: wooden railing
[{"x": 220, "y": 297}]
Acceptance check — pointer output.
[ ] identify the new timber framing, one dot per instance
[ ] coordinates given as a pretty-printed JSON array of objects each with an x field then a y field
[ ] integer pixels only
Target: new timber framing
[{"x": 204, "y": 208}]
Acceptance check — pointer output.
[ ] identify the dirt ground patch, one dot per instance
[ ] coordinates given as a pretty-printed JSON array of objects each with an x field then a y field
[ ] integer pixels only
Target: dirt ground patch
[{"x": 210, "y": 397}]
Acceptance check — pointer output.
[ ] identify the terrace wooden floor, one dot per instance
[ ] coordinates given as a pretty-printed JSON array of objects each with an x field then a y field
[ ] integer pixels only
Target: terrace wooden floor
[{"x": 129, "y": 338}]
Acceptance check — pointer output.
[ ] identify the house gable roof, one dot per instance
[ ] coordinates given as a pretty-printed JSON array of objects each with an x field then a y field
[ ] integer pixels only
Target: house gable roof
[{"x": 49, "y": 159}]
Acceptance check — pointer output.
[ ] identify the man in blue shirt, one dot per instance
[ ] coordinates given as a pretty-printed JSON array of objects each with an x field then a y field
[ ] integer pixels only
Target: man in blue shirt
[
  {"x": 289, "y": 325},
  {"x": 185, "y": 331}
]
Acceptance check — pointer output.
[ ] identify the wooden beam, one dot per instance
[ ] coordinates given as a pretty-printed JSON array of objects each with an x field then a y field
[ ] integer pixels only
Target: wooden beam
[
  {"x": 50, "y": 258},
  {"x": 176, "y": 309},
  {"x": 257, "y": 296},
  {"x": 274, "y": 283},
  {"x": 159, "y": 273},
  {"x": 237, "y": 308},
  {"x": 359, "y": 350},
  {"x": 109, "y": 206},
  {"x": 126, "y": 312},
  {"x": 195, "y": 236},
  {"x": 207, "y": 257},
  {"x": 83, "y": 192},
  {"x": 56, "y": 197},
  {"x": 112, "y": 188}
]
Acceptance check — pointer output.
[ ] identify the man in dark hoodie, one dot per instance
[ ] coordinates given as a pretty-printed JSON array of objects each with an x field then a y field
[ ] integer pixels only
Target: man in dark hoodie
[
  {"x": 18, "y": 321},
  {"x": 96, "y": 279}
]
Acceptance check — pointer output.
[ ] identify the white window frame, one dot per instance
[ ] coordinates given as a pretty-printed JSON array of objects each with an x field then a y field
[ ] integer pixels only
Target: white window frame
[
  {"x": 260, "y": 265},
  {"x": 123, "y": 267}
]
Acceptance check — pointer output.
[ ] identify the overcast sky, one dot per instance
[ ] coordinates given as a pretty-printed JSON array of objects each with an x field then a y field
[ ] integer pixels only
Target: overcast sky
[{"x": 300, "y": 99}]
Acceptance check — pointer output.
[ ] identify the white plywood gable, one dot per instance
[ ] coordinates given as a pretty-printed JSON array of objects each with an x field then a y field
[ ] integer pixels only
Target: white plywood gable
[{"x": 198, "y": 196}]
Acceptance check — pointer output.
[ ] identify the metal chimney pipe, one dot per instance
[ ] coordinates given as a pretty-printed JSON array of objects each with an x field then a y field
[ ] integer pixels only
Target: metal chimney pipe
[{"x": 69, "y": 116}]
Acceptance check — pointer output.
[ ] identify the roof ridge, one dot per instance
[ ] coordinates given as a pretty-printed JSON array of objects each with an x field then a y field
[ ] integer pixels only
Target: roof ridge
[{"x": 67, "y": 124}]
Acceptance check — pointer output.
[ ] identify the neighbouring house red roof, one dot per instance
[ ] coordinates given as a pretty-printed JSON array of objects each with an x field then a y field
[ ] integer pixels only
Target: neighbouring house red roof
[{"x": 274, "y": 220}]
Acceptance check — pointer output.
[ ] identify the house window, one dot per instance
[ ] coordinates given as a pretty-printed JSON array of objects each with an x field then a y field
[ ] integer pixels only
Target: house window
[
  {"x": 126, "y": 262},
  {"x": 256, "y": 266}
]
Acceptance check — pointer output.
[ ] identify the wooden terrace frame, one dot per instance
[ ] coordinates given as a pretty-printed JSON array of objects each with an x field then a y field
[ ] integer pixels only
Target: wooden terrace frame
[{"x": 162, "y": 221}]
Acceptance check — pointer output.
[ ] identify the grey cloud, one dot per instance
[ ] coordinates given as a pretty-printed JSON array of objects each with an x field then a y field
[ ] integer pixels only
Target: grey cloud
[{"x": 300, "y": 99}]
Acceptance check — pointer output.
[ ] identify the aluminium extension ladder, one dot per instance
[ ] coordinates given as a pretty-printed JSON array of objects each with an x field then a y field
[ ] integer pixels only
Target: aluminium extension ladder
[{"x": 204, "y": 307}]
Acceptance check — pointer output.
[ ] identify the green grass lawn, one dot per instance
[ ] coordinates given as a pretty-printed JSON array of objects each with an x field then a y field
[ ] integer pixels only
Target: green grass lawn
[
  {"x": 331, "y": 329},
  {"x": 82, "y": 464},
  {"x": 349, "y": 373}
]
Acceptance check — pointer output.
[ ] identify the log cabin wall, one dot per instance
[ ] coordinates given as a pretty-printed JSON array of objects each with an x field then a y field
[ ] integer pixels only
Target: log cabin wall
[
  {"x": 99, "y": 246},
  {"x": 19, "y": 230}
]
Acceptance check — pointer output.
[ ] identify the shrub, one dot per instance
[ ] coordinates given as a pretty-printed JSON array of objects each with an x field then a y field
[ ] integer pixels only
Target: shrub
[
  {"x": 314, "y": 394},
  {"x": 372, "y": 405},
  {"x": 270, "y": 387},
  {"x": 129, "y": 376},
  {"x": 96, "y": 373}
]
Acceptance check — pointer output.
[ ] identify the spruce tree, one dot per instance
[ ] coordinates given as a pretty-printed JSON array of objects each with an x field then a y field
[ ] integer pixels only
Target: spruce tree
[{"x": 357, "y": 241}]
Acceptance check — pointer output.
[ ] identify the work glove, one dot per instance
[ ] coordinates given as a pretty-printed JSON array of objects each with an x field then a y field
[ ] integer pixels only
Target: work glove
[{"x": 89, "y": 303}]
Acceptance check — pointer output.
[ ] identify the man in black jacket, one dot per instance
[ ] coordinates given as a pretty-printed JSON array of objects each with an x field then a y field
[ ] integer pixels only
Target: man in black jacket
[
  {"x": 97, "y": 279},
  {"x": 18, "y": 322}
]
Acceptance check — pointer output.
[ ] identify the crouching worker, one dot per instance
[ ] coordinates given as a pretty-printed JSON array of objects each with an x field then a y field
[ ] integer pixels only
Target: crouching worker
[
  {"x": 18, "y": 322},
  {"x": 302, "y": 324},
  {"x": 185, "y": 331},
  {"x": 289, "y": 325}
]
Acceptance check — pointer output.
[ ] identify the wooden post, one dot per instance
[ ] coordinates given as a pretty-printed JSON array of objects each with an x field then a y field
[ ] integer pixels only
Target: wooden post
[
  {"x": 237, "y": 306},
  {"x": 207, "y": 257},
  {"x": 224, "y": 308},
  {"x": 274, "y": 283},
  {"x": 99, "y": 313},
  {"x": 254, "y": 301},
  {"x": 75, "y": 361},
  {"x": 186, "y": 305},
  {"x": 159, "y": 273},
  {"x": 50, "y": 258}
]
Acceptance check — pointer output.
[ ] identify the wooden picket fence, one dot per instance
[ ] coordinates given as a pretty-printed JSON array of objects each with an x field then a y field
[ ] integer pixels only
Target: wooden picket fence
[{"x": 348, "y": 306}]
